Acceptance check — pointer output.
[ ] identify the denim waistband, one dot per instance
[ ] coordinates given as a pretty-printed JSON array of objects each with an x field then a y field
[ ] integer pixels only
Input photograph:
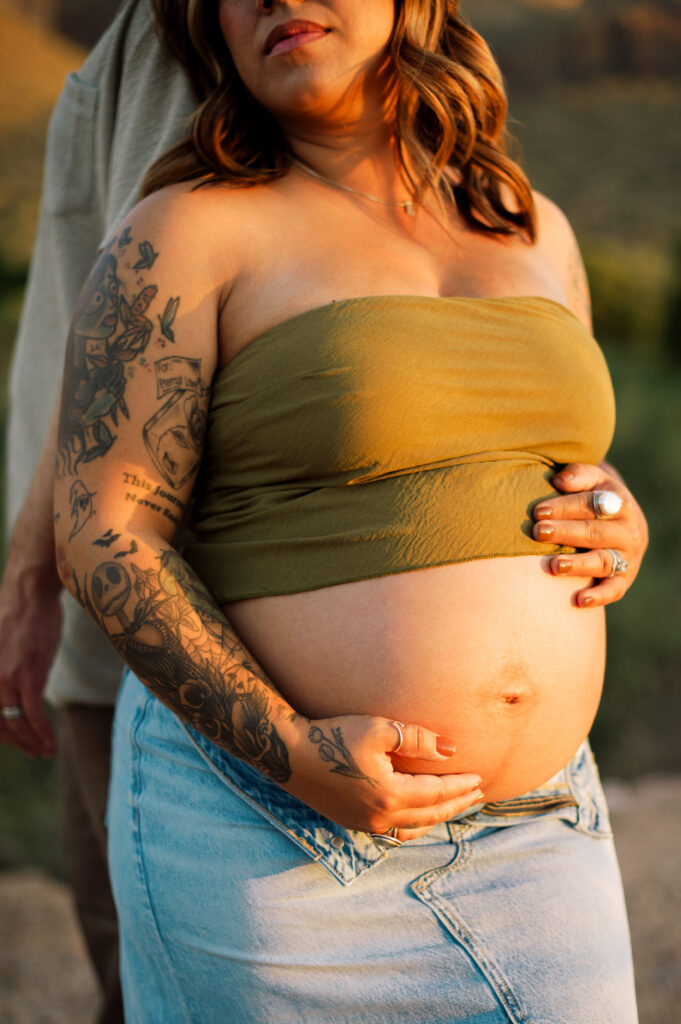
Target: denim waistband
[{"x": 574, "y": 794}]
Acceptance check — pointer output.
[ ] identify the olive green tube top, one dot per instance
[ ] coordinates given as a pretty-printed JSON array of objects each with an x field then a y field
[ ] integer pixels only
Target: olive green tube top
[{"x": 389, "y": 433}]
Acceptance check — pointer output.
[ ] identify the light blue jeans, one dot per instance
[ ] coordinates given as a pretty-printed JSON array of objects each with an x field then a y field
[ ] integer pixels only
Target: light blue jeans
[{"x": 239, "y": 904}]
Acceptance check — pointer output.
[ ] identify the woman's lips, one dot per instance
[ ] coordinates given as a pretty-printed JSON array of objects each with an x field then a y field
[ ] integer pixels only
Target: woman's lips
[{"x": 292, "y": 42}]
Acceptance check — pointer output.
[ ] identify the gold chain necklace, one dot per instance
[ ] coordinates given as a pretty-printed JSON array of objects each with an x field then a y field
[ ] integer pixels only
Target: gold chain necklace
[{"x": 408, "y": 205}]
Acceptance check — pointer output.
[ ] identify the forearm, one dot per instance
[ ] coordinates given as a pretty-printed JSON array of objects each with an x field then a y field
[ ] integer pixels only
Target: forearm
[
  {"x": 30, "y": 564},
  {"x": 30, "y": 614},
  {"x": 171, "y": 633}
]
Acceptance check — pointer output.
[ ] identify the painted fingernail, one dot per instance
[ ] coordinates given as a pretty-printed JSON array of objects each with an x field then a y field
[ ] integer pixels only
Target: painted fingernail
[
  {"x": 544, "y": 531},
  {"x": 477, "y": 796},
  {"x": 563, "y": 565},
  {"x": 445, "y": 746},
  {"x": 543, "y": 512},
  {"x": 587, "y": 601},
  {"x": 565, "y": 475}
]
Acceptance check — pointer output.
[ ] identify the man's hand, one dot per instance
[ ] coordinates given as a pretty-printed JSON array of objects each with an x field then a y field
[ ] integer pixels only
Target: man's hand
[
  {"x": 570, "y": 519},
  {"x": 30, "y": 623},
  {"x": 30, "y": 614}
]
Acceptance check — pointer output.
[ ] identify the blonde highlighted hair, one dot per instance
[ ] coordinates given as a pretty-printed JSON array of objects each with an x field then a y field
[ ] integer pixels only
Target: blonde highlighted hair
[{"x": 449, "y": 106}]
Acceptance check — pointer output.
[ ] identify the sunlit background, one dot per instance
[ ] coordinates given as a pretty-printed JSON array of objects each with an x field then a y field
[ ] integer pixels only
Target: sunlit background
[{"x": 595, "y": 103}]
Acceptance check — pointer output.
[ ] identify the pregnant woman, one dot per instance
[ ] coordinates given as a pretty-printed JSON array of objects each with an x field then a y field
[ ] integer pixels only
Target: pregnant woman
[{"x": 351, "y": 779}]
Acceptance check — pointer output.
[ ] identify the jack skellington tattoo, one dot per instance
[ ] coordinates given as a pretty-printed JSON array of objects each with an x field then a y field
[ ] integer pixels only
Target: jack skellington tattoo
[{"x": 167, "y": 627}]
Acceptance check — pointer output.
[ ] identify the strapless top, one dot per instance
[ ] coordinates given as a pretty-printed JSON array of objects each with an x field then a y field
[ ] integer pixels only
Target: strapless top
[{"x": 384, "y": 434}]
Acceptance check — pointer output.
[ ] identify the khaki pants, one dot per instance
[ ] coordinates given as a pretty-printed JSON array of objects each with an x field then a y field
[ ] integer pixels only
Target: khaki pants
[{"x": 84, "y": 745}]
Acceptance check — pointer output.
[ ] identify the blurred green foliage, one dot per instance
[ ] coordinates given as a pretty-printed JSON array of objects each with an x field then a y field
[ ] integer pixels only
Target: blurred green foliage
[
  {"x": 29, "y": 832},
  {"x": 672, "y": 313},
  {"x": 637, "y": 729},
  {"x": 629, "y": 289}
]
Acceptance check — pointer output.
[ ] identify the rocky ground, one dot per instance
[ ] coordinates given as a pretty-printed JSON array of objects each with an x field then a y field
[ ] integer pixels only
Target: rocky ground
[{"x": 45, "y": 978}]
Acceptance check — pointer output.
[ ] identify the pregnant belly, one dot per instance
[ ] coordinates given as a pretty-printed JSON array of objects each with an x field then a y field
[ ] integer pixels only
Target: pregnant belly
[{"x": 492, "y": 653}]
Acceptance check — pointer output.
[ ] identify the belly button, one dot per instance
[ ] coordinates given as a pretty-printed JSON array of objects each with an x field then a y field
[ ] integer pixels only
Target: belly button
[
  {"x": 515, "y": 687},
  {"x": 517, "y": 695}
]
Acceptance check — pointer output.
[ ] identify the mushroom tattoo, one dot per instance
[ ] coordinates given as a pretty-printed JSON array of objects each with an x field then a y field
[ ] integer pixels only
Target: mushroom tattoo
[{"x": 111, "y": 588}]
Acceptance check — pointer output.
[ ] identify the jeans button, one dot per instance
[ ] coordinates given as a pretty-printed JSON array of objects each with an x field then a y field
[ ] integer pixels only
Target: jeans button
[{"x": 338, "y": 842}]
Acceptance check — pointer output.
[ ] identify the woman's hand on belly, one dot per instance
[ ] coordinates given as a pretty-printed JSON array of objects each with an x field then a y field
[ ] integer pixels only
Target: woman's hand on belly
[
  {"x": 493, "y": 653},
  {"x": 343, "y": 768},
  {"x": 569, "y": 519}
]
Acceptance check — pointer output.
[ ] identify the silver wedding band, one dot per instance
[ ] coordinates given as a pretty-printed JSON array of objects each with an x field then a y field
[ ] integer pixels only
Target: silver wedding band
[
  {"x": 389, "y": 838},
  {"x": 606, "y": 504},
  {"x": 12, "y": 712},
  {"x": 400, "y": 736},
  {"x": 619, "y": 564}
]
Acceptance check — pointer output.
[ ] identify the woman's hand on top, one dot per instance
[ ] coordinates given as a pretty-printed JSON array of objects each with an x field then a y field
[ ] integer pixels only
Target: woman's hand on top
[
  {"x": 570, "y": 519},
  {"x": 343, "y": 768}
]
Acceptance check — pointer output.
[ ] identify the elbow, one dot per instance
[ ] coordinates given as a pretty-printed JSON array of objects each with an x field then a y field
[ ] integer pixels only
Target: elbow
[
  {"x": 63, "y": 566},
  {"x": 62, "y": 559}
]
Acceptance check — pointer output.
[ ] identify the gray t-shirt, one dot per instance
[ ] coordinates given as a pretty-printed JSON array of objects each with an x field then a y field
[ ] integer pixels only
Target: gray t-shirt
[{"x": 127, "y": 104}]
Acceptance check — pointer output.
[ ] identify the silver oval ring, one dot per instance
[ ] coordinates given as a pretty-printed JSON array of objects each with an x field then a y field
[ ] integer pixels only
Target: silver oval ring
[
  {"x": 619, "y": 564},
  {"x": 12, "y": 712},
  {"x": 606, "y": 504},
  {"x": 389, "y": 837},
  {"x": 400, "y": 736}
]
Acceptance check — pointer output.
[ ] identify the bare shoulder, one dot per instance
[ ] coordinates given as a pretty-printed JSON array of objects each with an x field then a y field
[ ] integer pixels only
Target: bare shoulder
[
  {"x": 560, "y": 247},
  {"x": 194, "y": 230},
  {"x": 142, "y": 352}
]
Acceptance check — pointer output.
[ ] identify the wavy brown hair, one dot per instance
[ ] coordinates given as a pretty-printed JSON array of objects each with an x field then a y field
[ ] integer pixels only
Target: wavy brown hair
[{"x": 449, "y": 110}]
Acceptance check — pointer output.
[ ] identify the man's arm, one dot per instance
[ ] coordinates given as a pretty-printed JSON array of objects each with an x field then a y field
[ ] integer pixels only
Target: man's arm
[{"x": 30, "y": 613}]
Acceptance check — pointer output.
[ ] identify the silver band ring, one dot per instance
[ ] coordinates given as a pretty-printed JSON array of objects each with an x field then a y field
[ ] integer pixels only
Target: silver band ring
[
  {"x": 389, "y": 837},
  {"x": 12, "y": 713},
  {"x": 606, "y": 504},
  {"x": 400, "y": 736},
  {"x": 619, "y": 564}
]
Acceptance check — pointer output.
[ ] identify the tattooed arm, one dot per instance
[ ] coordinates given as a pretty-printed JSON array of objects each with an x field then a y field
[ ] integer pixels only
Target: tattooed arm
[{"x": 142, "y": 346}]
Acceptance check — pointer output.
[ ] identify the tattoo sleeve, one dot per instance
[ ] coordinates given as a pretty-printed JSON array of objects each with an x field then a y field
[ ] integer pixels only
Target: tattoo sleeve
[
  {"x": 130, "y": 439},
  {"x": 168, "y": 629}
]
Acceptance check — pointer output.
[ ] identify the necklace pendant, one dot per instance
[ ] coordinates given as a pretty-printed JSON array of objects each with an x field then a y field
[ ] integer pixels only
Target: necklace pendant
[{"x": 410, "y": 209}]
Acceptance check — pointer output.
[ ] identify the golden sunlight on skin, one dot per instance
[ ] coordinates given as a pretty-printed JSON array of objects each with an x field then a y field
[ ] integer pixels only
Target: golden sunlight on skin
[
  {"x": 329, "y": 76},
  {"x": 493, "y": 653}
]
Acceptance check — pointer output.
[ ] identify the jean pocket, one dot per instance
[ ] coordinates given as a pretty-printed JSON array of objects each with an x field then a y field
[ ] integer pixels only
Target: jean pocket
[
  {"x": 584, "y": 783},
  {"x": 70, "y": 163}
]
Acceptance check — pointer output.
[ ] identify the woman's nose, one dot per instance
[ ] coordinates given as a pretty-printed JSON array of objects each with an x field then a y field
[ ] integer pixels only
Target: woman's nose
[{"x": 265, "y": 5}]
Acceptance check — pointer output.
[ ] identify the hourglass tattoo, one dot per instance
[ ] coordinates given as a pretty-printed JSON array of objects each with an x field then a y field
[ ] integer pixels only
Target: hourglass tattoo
[
  {"x": 174, "y": 435},
  {"x": 110, "y": 329},
  {"x": 169, "y": 630}
]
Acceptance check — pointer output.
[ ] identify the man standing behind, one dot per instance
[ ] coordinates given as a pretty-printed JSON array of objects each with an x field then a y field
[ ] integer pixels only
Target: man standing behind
[{"x": 128, "y": 104}]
